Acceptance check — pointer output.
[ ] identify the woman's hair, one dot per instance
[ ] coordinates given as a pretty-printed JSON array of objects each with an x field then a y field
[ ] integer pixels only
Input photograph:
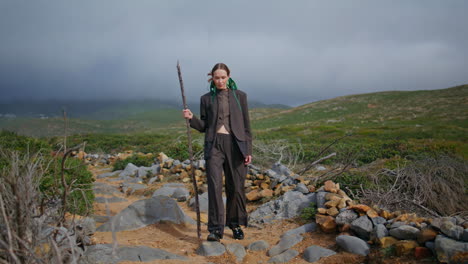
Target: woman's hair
[{"x": 218, "y": 66}]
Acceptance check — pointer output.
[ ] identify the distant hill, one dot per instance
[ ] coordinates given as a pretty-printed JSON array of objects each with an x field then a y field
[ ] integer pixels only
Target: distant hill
[{"x": 45, "y": 118}]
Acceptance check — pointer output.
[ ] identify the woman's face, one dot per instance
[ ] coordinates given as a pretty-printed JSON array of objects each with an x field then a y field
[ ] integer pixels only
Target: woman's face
[{"x": 220, "y": 78}]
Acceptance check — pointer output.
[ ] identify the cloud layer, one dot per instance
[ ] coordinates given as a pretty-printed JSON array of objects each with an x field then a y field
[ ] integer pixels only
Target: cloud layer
[{"x": 279, "y": 52}]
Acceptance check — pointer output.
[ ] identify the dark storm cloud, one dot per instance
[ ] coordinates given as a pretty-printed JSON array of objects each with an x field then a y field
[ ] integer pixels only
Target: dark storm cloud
[{"x": 279, "y": 52}]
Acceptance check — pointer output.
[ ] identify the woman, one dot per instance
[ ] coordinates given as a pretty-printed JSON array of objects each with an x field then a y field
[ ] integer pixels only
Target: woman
[{"x": 224, "y": 118}]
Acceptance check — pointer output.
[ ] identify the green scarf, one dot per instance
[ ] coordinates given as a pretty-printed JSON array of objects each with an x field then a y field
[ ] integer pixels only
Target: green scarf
[{"x": 231, "y": 85}]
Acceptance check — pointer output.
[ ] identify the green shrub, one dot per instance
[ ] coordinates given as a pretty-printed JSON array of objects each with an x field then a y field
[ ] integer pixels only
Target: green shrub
[
  {"x": 309, "y": 212},
  {"x": 179, "y": 150},
  {"x": 136, "y": 160},
  {"x": 80, "y": 199}
]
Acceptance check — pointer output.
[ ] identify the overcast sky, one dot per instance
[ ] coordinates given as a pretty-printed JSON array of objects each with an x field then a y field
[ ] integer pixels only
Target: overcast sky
[{"x": 290, "y": 52}]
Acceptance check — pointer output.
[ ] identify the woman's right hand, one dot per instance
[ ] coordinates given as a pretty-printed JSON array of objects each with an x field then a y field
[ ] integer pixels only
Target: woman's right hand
[{"x": 187, "y": 114}]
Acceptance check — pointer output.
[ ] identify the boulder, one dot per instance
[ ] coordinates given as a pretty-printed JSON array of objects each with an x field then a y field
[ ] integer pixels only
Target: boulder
[
  {"x": 405, "y": 232},
  {"x": 449, "y": 250},
  {"x": 208, "y": 249},
  {"x": 452, "y": 230},
  {"x": 353, "y": 244},
  {"x": 258, "y": 245},
  {"x": 102, "y": 253},
  {"x": 287, "y": 206},
  {"x": 146, "y": 212},
  {"x": 129, "y": 171},
  {"x": 378, "y": 232},
  {"x": 362, "y": 226},
  {"x": 284, "y": 244},
  {"x": 326, "y": 223},
  {"x": 314, "y": 253},
  {"x": 346, "y": 217},
  {"x": 284, "y": 257},
  {"x": 311, "y": 227},
  {"x": 237, "y": 250}
]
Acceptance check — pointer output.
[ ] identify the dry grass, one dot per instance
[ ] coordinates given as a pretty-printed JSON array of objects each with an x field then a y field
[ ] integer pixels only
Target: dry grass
[{"x": 430, "y": 186}]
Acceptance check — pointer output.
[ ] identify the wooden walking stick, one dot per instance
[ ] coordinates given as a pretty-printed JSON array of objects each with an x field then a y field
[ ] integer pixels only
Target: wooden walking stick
[{"x": 189, "y": 137}]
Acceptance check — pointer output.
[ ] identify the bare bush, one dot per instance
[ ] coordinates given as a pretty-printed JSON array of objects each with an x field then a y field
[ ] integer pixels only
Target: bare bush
[
  {"x": 30, "y": 233},
  {"x": 430, "y": 186},
  {"x": 280, "y": 150}
]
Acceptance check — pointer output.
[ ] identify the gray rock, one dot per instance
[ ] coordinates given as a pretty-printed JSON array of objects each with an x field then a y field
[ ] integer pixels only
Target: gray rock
[
  {"x": 258, "y": 245},
  {"x": 146, "y": 212},
  {"x": 284, "y": 244},
  {"x": 281, "y": 169},
  {"x": 272, "y": 174},
  {"x": 129, "y": 170},
  {"x": 109, "y": 174},
  {"x": 208, "y": 249},
  {"x": 378, "y": 232},
  {"x": 397, "y": 224},
  {"x": 203, "y": 201},
  {"x": 164, "y": 191},
  {"x": 284, "y": 257},
  {"x": 437, "y": 222},
  {"x": 446, "y": 248},
  {"x": 465, "y": 235},
  {"x": 237, "y": 250},
  {"x": 87, "y": 226},
  {"x": 112, "y": 199},
  {"x": 300, "y": 187},
  {"x": 362, "y": 226},
  {"x": 378, "y": 220},
  {"x": 346, "y": 217},
  {"x": 102, "y": 253},
  {"x": 287, "y": 206},
  {"x": 176, "y": 162},
  {"x": 153, "y": 180},
  {"x": 451, "y": 230},
  {"x": 353, "y": 244},
  {"x": 321, "y": 199},
  {"x": 311, "y": 227},
  {"x": 181, "y": 194},
  {"x": 130, "y": 188},
  {"x": 405, "y": 232},
  {"x": 314, "y": 253}
]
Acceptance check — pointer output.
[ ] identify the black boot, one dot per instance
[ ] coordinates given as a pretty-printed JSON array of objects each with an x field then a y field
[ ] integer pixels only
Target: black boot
[
  {"x": 237, "y": 233},
  {"x": 214, "y": 236}
]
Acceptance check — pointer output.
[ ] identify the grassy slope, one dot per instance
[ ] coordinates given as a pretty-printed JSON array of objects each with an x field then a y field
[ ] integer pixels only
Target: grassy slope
[
  {"x": 437, "y": 116},
  {"x": 396, "y": 119}
]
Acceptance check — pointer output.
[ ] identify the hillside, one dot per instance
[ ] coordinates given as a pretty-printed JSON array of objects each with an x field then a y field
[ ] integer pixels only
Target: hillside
[
  {"x": 44, "y": 118},
  {"x": 436, "y": 117}
]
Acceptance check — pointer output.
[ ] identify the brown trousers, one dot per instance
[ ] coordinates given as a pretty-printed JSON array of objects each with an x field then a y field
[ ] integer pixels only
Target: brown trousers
[{"x": 226, "y": 156}]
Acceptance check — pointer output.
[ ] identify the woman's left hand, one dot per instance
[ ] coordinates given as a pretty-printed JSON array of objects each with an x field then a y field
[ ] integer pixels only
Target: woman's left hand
[{"x": 248, "y": 159}]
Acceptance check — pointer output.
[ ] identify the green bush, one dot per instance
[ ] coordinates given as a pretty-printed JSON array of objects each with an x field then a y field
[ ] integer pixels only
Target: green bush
[
  {"x": 80, "y": 199},
  {"x": 136, "y": 160},
  {"x": 179, "y": 150},
  {"x": 309, "y": 212}
]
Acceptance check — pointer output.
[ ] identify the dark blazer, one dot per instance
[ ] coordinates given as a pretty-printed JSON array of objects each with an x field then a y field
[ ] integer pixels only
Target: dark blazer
[{"x": 238, "y": 117}]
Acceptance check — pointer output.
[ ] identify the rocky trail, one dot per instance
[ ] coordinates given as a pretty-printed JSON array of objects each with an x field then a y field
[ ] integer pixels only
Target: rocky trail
[
  {"x": 181, "y": 239},
  {"x": 153, "y": 222}
]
